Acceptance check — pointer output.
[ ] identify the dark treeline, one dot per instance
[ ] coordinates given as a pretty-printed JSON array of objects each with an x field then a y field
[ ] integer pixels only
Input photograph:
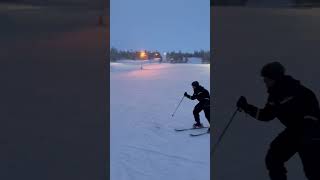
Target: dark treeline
[
  {"x": 116, "y": 54},
  {"x": 180, "y": 57},
  {"x": 172, "y": 57}
]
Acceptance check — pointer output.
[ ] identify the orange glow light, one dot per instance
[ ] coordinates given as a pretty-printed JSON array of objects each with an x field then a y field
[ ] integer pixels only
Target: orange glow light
[{"x": 143, "y": 54}]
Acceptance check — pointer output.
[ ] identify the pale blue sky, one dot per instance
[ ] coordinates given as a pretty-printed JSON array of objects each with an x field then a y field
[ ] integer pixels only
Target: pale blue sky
[{"x": 163, "y": 25}]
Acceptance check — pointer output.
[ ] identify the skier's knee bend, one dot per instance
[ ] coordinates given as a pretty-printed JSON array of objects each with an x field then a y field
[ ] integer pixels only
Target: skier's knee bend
[
  {"x": 274, "y": 165},
  {"x": 312, "y": 172},
  {"x": 313, "y": 175},
  {"x": 208, "y": 119},
  {"x": 195, "y": 112},
  {"x": 276, "y": 171},
  {"x": 207, "y": 114},
  {"x": 196, "y": 115}
]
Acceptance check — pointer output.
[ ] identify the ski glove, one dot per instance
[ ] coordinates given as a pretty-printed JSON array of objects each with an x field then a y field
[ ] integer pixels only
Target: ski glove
[
  {"x": 242, "y": 103},
  {"x": 186, "y": 94}
]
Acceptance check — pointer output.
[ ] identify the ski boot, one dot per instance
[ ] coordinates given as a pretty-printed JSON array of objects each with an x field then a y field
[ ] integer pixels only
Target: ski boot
[{"x": 197, "y": 125}]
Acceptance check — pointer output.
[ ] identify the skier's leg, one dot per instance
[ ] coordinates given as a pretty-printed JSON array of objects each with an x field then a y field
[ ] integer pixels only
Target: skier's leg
[
  {"x": 207, "y": 112},
  {"x": 197, "y": 109},
  {"x": 310, "y": 157},
  {"x": 281, "y": 150}
]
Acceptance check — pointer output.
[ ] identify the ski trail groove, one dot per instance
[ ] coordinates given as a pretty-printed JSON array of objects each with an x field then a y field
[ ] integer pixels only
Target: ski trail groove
[{"x": 166, "y": 155}]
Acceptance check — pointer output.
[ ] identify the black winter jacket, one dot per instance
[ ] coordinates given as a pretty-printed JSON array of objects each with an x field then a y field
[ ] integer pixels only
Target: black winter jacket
[
  {"x": 201, "y": 94},
  {"x": 293, "y": 104}
]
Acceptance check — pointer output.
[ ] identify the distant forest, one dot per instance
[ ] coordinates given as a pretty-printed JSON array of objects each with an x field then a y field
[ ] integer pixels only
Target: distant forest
[{"x": 172, "y": 57}]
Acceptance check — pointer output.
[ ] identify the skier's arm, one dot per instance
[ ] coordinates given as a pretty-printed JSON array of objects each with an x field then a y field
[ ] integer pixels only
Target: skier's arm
[
  {"x": 200, "y": 95},
  {"x": 188, "y": 96},
  {"x": 265, "y": 114},
  {"x": 194, "y": 96}
]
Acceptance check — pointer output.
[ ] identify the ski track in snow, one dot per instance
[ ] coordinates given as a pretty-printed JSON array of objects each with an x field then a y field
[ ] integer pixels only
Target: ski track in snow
[
  {"x": 166, "y": 155},
  {"x": 144, "y": 144}
]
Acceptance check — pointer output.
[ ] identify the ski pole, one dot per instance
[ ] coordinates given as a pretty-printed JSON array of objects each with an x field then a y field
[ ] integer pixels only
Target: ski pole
[
  {"x": 225, "y": 130},
  {"x": 177, "y": 107}
]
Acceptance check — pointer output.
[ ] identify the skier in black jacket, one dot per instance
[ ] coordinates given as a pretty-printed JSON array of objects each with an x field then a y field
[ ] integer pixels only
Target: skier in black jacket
[
  {"x": 297, "y": 108},
  {"x": 203, "y": 96}
]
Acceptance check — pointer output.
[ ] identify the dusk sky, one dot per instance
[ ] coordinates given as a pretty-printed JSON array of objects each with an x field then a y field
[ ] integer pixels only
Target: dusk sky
[{"x": 166, "y": 25}]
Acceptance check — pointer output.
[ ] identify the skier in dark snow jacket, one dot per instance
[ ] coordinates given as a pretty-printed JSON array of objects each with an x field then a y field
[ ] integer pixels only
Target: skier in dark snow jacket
[
  {"x": 203, "y": 96},
  {"x": 297, "y": 108}
]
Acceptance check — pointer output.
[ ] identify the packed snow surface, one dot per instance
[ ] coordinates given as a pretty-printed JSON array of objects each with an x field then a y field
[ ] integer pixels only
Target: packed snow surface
[{"x": 143, "y": 142}]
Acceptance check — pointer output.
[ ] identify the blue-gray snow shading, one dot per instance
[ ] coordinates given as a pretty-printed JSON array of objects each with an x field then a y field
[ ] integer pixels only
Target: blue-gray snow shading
[{"x": 144, "y": 144}]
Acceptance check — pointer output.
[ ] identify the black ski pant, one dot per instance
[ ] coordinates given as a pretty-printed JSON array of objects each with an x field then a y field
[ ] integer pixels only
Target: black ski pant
[
  {"x": 205, "y": 106},
  {"x": 284, "y": 147}
]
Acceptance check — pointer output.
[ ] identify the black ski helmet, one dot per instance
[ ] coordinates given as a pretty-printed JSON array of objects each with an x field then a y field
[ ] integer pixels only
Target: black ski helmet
[
  {"x": 195, "y": 83},
  {"x": 273, "y": 70}
]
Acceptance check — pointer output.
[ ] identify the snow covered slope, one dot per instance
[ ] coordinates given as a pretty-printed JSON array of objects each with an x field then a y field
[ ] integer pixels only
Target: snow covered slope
[{"x": 143, "y": 142}]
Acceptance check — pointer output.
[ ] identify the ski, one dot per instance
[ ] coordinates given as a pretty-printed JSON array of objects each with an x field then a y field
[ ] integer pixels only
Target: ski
[
  {"x": 186, "y": 129},
  {"x": 199, "y": 134}
]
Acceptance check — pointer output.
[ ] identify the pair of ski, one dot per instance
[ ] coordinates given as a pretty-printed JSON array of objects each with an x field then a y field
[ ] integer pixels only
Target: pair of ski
[{"x": 194, "y": 134}]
